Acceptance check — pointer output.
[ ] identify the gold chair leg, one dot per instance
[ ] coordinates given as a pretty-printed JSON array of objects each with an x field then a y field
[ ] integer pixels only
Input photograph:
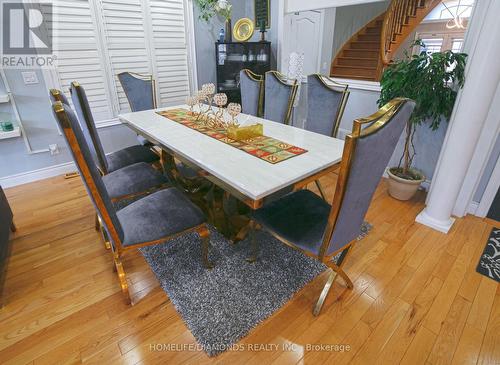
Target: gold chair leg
[
  {"x": 342, "y": 274},
  {"x": 253, "y": 242},
  {"x": 320, "y": 188},
  {"x": 204, "y": 234},
  {"x": 13, "y": 227},
  {"x": 324, "y": 293},
  {"x": 335, "y": 270},
  {"x": 242, "y": 233},
  {"x": 97, "y": 222},
  {"x": 337, "y": 267},
  {"x": 104, "y": 234},
  {"x": 122, "y": 278}
]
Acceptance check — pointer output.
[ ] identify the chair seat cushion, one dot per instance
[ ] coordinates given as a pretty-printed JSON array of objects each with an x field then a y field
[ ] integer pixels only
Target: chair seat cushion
[
  {"x": 130, "y": 155},
  {"x": 299, "y": 218},
  {"x": 186, "y": 171},
  {"x": 157, "y": 216},
  {"x": 133, "y": 179}
]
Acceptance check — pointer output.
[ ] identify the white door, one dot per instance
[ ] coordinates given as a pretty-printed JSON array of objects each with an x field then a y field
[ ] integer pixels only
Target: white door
[{"x": 303, "y": 34}]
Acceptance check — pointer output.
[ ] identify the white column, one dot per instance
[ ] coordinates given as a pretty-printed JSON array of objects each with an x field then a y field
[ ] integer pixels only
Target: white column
[{"x": 471, "y": 110}]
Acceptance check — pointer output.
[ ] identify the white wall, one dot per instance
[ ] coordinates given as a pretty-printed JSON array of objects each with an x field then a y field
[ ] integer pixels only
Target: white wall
[
  {"x": 350, "y": 19},
  {"x": 206, "y": 34},
  {"x": 302, "y": 5},
  {"x": 327, "y": 41},
  {"x": 34, "y": 109}
]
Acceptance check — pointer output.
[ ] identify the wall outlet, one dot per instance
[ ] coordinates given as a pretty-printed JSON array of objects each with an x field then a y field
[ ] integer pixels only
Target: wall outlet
[
  {"x": 54, "y": 149},
  {"x": 29, "y": 77}
]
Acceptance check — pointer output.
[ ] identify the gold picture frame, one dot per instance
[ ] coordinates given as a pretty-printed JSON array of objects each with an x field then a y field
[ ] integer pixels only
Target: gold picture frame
[
  {"x": 262, "y": 12},
  {"x": 243, "y": 29}
]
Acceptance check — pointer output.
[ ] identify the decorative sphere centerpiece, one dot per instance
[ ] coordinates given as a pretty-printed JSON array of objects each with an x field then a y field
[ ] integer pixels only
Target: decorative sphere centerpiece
[
  {"x": 220, "y": 99},
  {"x": 233, "y": 109},
  {"x": 208, "y": 89},
  {"x": 191, "y": 101},
  {"x": 214, "y": 119}
]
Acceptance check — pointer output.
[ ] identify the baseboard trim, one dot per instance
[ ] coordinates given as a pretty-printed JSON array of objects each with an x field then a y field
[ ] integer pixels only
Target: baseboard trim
[{"x": 35, "y": 175}]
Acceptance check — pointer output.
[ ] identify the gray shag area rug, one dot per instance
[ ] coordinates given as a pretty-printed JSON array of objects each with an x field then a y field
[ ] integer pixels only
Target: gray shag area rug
[{"x": 220, "y": 306}]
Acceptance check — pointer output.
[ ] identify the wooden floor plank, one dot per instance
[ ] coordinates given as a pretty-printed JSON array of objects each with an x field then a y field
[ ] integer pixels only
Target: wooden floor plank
[
  {"x": 490, "y": 347},
  {"x": 417, "y": 297},
  {"x": 451, "y": 331}
]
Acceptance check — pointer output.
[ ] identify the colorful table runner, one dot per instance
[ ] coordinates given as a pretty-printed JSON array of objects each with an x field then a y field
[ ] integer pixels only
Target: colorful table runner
[{"x": 266, "y": 148}]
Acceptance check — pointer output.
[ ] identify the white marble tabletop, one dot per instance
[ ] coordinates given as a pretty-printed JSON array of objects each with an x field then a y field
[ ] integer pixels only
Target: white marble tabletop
[{"x": 253, "y": 177}]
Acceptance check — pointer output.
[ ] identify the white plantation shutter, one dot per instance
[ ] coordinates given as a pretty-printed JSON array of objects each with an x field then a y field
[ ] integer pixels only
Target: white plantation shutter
[
  {"x": 170, "y": 49},
  {"x": 75, "y": 42},
  {"x": 125, "y": 41},
  {"x": 95, "y": 40}
]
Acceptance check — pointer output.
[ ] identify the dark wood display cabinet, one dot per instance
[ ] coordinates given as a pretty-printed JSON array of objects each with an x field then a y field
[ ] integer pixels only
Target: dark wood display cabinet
[{"x": 232, "y": 57}]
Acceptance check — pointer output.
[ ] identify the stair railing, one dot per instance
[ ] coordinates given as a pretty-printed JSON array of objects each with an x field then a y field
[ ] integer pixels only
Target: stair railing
[{"x": 398, "y": 15}]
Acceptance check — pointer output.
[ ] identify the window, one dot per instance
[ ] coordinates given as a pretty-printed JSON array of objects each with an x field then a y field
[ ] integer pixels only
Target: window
[
  {"x": 432, "y": 45},
  {"x": 437, "y": 42},
  {"x": 457, "y": 44},
  {"x": 94, "y": 40}
]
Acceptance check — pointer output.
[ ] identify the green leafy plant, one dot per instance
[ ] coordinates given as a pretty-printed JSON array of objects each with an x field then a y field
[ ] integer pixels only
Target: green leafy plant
[
  {"x": 432, "y": 81},
  {"x": 209, "y": 8}
]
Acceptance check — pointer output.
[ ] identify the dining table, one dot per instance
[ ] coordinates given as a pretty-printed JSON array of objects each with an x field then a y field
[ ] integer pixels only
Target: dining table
[{"x": 240, "y": 172}]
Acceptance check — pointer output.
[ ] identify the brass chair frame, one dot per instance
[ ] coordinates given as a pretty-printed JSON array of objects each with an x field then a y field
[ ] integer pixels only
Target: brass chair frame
[
  {"x": 293, "y": 92},
  {"x": 377, "y": 121},
  {"x": 336, "y": 86},
  {"x": 98, "y": 222},
  {"x": 344, "y": 88},
  {"x": 93, "y": 136},
  {"x": 260, "y": 80},
  {"x": 146, "y": 77},
  {"x": 117, "y": 247}
]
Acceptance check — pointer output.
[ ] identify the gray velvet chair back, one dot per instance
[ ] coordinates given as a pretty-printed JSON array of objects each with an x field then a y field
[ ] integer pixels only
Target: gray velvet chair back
[
  {"x": 139, "y": 89},
  {"x": 88, "y": 170},
  {"x": 252, "y": 89},
  {"x": 82, "y": 108},
  {"x": 279, "y": 97},
  {"x": 366, "y": 154},
  {"x": 326, "y": 101}
]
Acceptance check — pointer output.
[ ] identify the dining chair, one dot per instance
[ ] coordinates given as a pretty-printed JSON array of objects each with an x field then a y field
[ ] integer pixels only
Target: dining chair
[
  {"x": 115, "y": 160},
  {"x": 123, "y": 184},
  {"x": 132, "y": 180},
  {"x": 56, "y": 95},
  {"x": 140, "y": 91},
  {"x": 326, "y": 101},
  {"x": 152, "y": 220},
  {"x": 304, "y": 221},
  {"x": 252, "y": 92},
  {"x": 279, "y": 97}
]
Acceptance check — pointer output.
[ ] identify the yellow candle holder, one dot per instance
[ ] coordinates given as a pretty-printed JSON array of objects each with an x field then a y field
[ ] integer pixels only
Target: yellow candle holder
[{"x": 241, "y": 133}]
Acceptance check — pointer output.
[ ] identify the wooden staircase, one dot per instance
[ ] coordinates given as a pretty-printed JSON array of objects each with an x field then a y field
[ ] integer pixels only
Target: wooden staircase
[{"x": 365, "y": 55}]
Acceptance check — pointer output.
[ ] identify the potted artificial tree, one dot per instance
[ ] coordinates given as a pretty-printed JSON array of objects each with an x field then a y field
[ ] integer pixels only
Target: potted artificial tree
[{"x": 432, "y": 81}]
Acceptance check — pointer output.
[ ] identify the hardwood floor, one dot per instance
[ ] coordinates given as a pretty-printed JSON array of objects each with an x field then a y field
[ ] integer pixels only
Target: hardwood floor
[{"x": 417, "y": 297}]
